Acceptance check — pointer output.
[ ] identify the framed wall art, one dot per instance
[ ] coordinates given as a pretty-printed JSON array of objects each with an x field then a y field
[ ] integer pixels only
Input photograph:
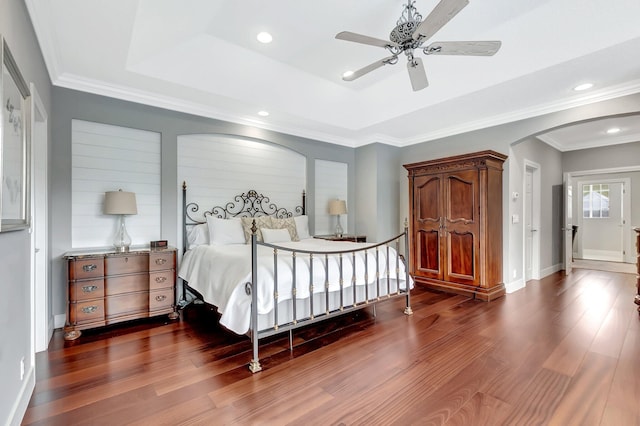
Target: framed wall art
[{"x": 14, "y": 146}]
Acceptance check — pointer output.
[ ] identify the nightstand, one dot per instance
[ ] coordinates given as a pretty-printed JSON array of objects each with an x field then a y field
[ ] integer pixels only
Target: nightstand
[
  {"x": 345, "y": 237},
  {"x": 105, "y": 287}
]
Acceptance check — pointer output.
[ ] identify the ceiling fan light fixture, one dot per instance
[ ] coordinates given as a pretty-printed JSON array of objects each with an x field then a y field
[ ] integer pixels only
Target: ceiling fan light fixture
[
  {"x": 584, "y": 86},
  {"x": 409, "y": 35},
  {"x": 613, "y": 130},
  {"x": 263, "y": 113},
  {"x": 264, "y": 37}
]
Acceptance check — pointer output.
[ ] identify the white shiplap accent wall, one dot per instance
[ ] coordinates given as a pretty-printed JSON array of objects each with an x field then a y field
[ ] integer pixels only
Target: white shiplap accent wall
[
  {"x": 108, "y": 158},
  {"x": 216, "y": 168},
  {"x": 331, "y": 183}
]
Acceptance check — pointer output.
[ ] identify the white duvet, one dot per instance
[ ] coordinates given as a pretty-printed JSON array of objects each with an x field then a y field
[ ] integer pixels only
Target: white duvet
[{"x": 219, "y": 274}]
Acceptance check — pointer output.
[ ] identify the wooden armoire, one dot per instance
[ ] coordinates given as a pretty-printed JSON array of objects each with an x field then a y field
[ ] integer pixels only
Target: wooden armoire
[{"x": 456, "y": 224}]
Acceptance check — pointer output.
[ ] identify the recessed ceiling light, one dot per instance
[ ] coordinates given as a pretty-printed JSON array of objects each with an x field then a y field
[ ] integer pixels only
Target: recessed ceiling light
[
  {"x": 263, "y": 113},
  {"x": 264, "y": 37},
  {"x": 613, "y": 130},
  {"x": 347, "y": 74},
  {"x": 582, "y": 87}
]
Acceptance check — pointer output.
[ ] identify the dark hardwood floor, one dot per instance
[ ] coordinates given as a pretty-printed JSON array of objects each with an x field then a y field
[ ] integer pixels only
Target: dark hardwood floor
[{"x": 563, "y": 351}]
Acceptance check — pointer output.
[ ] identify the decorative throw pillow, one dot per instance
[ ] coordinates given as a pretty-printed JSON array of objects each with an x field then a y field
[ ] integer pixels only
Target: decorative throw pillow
[
  {"x": 225, "y": 231},
  {"x": 287, "y": 223},
  {"x": 302, "y": 226},
  {"x": 261, "y": 222},
  {"x": 275, "y": 235}
]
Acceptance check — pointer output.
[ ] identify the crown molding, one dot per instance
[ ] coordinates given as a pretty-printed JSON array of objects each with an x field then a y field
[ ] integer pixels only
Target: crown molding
[{"x": 97, "y": 87}]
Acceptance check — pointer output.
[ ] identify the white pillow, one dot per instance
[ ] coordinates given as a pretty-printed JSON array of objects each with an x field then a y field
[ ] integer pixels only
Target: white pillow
[
  {"x": 198, "y": 235},
  {"x": 225, "y": 231},
  {"x": 302, "y": 226},
  {"x": 285, "y": 223},
  {"x": 273, "y": 236}
]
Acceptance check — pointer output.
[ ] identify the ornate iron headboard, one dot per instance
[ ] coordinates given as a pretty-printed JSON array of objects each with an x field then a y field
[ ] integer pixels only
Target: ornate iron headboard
[{"x": 247, "y": 204}]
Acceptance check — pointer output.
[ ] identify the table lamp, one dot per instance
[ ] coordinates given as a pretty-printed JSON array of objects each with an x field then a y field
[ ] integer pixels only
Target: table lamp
[
  {"x": 338, "y": 207},
  {"x": 120, "y": 203}
]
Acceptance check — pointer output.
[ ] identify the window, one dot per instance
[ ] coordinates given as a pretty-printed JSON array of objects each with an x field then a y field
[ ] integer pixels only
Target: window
[{"x": 595, "y": 200}]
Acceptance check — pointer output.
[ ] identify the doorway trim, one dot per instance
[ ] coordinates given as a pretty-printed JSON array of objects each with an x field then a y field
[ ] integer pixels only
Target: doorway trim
[
  {"x": 569, "y": 176},
  {"x": 628, "y": 254},
  {"x": 42, "y": 320},
  {"x": 534, "y": 168}
]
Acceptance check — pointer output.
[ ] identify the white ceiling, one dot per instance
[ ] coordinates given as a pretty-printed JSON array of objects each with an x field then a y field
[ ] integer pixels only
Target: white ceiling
[{"x": 202, "y": 57}]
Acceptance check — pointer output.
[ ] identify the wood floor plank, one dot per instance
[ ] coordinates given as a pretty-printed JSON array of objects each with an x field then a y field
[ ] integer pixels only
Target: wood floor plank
[
  {"x": 586, "y": 396},
  {"x": 562, "y": 350},
  {"x": 539, "y": 399},
  {"x": 622, "y": 407},
  {"x": 481, "y": 410}
]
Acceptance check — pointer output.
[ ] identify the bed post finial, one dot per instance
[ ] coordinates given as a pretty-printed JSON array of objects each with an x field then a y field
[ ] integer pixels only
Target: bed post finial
[
  {"x": 184, "y": 185},
  {"x": 254, "y": 228}
]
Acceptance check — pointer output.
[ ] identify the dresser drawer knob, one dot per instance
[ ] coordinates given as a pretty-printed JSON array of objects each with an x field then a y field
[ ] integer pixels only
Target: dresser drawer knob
[
  {"x": 161, "y": 279},
  {"x": 160, "y": 298},
  {"x": 161, "y": 261},
  {"x": 89, "y": 268},
  {"x": 89, "y": 309},
  {"x": 89, "y": 288}
]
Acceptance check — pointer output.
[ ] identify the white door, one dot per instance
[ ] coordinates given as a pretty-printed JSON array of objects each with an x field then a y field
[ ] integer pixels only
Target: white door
[
  {"x": 531, "y": 211},
  {"x": 42, "y": 321},
  {"x": 602, "y": 225},
  {"x": 568, "y": 223}
]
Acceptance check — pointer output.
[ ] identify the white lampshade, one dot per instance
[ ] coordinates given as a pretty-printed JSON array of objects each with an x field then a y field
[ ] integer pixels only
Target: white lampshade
[
  {"x": 337, "y": 207},
  {"x": 120, "y": 202}
]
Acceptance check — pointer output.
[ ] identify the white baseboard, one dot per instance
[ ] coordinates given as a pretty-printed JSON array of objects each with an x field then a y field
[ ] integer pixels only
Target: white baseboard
[
  {"x": 515, "y": 285},
  {"x": 24, "y": 396},
  {"x": 59, "y": 320},
  {"x": 604, "y": 255},
  {"x": 550, "y": 270}
]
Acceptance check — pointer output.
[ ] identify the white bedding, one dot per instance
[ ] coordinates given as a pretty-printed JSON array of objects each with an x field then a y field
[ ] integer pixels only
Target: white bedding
[{"x": 219, "y": 274}]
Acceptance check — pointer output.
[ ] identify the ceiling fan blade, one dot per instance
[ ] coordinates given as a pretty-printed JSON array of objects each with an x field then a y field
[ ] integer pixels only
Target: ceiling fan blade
[
  {"x": 439, "y": 16},
  {"x": 417, "y": 74},
  {"x": 473, "y": 48},
  {"x": 377, "y": 64},
  {"x": 363, "y": 39}
]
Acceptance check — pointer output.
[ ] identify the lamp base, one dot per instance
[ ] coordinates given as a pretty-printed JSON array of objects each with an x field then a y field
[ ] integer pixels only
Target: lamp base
[
  {"x": 339, "y": 230},
  {"x": 122, "y": 240},
  {"x": 123, "y": 249}
]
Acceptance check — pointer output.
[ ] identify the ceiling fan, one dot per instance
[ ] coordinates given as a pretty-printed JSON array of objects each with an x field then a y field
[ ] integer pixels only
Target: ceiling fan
[{"x": 411, "y": 32}]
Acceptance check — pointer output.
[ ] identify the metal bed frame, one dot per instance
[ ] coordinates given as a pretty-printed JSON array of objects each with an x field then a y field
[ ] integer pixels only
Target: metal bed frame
[{"x": 253, "y": 204}]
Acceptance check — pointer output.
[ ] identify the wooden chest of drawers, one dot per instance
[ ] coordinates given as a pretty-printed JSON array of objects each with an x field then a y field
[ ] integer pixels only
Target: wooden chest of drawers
[{"x": 107, "y": 288}]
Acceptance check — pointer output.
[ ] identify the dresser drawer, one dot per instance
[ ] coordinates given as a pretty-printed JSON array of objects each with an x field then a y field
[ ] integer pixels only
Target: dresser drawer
[
  {"x": 126, "y": 284},
  {"x": 160, "y": 299},
  {"x": 84, "y": 290},
  {"x": 160, "y": 260},
  {"x": 125, "y": 264},
  {"x": 87, "y": 311},
  {"x": 80, "y": 269},
  {"x": 162, "y": 279},
  {"x": 126, "y": 304}
]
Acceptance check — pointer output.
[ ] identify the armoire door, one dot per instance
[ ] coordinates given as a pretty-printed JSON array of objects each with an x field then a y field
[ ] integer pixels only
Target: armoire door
[
  {"x": 461, "y": 226},
  {"x": 428, "y": 247}
]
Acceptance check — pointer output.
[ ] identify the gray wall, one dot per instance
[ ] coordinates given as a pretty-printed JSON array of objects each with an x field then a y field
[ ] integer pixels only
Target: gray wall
[
  {"x": 550, "y": 161},
  {"x": 377, "y": 195},
  {"x": 72, "y": 104},
  {"x": 15, "y": 247}
]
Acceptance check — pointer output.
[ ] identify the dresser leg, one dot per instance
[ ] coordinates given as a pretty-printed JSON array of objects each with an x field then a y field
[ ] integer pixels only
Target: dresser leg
[
  {"x": 174, "y": 315},
  {"x": 637, "y": 302},
  {"x": 72, "y": 334}
]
